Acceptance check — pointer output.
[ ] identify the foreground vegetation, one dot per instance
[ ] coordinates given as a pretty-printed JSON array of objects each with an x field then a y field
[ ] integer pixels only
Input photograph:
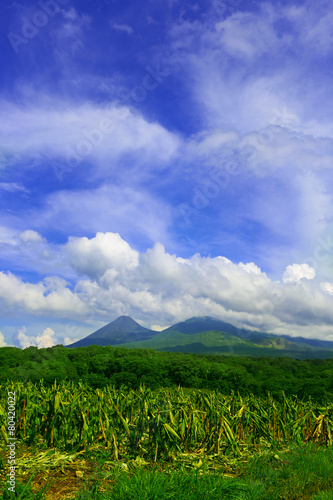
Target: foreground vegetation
[
  {"x": 100, "y": 423},
  {"x": 157, "y": 424},
  {"x": 302, "y": 472},
  {"x": 168, "y": 443}
]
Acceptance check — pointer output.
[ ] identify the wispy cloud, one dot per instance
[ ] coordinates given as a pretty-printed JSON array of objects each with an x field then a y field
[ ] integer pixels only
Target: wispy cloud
[
  {"x": 72, "y": 134},
  {"x": 12, "y": 187},
  {"x": 122, "y": 27}
]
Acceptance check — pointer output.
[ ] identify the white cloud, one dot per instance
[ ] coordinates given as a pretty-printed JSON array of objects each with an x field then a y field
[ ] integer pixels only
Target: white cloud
[
  {"x": 2, "y": 340},
  {"x": 246, "y": 84},
  {"x": 45, "y": 339},
  {"x": 68, "y": 340},
  {"x": 296, "y": 272},
  {"x": 250, "y": 268},
  {"x": 240, "y": 69},
  {"x": 48, "y": 296},
  {"x": 327, "y": 287},
  {"x": 104, "y": 252},
  {"x": 30, "y": 235},
  {"x": 168, "y": 288},
  {"x": 71, "y": 134},
  {"x": 246, "y": 35},
  {"x": 158, "y": 328}
]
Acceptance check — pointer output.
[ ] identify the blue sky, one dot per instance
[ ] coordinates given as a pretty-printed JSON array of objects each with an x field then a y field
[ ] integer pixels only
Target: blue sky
[{"x": 165, "y": 160}]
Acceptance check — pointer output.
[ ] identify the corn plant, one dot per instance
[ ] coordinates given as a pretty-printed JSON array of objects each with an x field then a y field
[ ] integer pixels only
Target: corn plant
[{"x": 159, "y": 424}]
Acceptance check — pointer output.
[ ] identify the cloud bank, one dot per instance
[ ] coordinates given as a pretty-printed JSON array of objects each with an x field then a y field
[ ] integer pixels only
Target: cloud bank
[{"x": 109, "y": 278}]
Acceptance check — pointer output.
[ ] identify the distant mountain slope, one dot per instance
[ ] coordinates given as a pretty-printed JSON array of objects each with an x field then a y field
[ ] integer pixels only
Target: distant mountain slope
[
  {"x": 170, "y": 338},
  {"x": 324, "y": 344},
  {"x": 216, "y": 342},
  {"x": 206, "y": 335},
  {"x": 123, "y": 329},
  {"x": 202, "y": 324},
  {"x": 205, "y": 323},
  {"x": 251, "y": 351}
]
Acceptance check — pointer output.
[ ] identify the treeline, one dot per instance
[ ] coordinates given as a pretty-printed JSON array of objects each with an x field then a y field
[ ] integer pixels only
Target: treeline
[{"x": 99, "y": 366}]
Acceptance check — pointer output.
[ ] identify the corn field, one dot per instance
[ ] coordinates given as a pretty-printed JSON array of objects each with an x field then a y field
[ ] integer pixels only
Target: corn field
[{"x": 158, "y": 424}]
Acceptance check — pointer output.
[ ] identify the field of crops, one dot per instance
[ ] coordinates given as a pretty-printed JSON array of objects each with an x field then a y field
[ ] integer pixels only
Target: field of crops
[
  {"x": 162, "y": 425},
  {"x": 157, "y": 423}
]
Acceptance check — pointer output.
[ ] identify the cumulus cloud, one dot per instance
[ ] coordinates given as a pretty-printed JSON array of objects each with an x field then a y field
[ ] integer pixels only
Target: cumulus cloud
[
  {"x": 51, "y": 295},
  {"x": 95, "y": 256},
  {"x": 45, "y": 339},
  {"x": 296, "y": 272},
  {"x": 2, "y": 340},
  {"x": 169, "y": 288},
  {"x": 30, "y": 235}
]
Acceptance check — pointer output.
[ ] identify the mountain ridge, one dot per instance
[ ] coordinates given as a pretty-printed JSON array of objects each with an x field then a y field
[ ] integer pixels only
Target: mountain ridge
[
  {"x": 118, "y": 331},
  {"x": 205, "y": 333}
]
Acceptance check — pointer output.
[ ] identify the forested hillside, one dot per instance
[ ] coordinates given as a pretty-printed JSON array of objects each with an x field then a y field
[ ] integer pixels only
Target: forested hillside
[{"x": 100, "y": 366}]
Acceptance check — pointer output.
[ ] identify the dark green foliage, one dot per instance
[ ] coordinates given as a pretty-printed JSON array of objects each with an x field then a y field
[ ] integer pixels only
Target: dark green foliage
[{"x": 100, "y": 366}]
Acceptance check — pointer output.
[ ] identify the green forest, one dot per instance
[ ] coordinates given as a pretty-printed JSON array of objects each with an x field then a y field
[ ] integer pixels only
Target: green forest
[{"x": 101, "y": 366}]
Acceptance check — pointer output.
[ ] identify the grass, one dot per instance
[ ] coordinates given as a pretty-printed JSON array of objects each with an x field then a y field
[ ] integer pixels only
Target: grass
[
  {"x": 180, "y": 485},
  {"x": 302, "y": 472}
]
